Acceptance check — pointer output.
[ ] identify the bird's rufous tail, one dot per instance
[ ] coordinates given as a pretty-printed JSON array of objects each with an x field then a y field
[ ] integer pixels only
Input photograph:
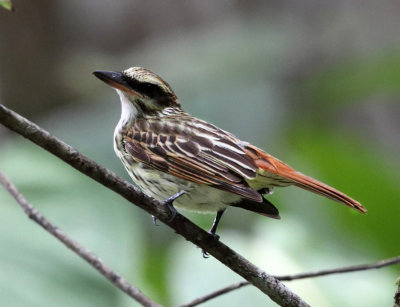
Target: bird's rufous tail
[{"x": 272, "y": 165}]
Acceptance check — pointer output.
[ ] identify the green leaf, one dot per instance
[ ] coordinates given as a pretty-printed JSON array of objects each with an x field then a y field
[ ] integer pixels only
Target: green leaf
[{"x": 7, "y": 5}]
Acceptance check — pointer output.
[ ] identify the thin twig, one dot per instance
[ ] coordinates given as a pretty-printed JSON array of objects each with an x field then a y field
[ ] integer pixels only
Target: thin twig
[
  {"x": 268, "y": 284},
  {"x": 215, "y": 294},
  {"x": 354, "y": 268},
  {"x": 90, "y": 257}
]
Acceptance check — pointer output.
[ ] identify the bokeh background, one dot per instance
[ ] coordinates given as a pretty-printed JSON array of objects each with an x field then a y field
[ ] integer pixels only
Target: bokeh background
[{"x": 315, "y": 83}]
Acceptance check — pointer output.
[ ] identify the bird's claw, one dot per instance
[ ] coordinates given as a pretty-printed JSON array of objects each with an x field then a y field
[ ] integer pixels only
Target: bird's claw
[
  {"x": 169, "y": 203},
  {"x": 172, "y": 211},
  {"x": 205, "y": 254}
]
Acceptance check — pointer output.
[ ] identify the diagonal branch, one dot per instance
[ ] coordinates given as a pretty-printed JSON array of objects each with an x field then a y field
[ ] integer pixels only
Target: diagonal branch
[
  {"x": 268, "y": 284},
  {"x": 348, "y": 269},
  {"x": 88, "y": 256}
]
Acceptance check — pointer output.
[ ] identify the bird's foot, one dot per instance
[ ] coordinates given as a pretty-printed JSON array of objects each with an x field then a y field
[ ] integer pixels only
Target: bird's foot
[
  {"x": 204, "y": 253},
  {"x": 169, "y": 203},
  {"x": 213, "y": 230}
]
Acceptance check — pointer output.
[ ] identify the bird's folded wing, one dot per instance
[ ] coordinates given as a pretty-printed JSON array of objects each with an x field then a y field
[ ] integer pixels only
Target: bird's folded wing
[{"x": 204, "y": 157}]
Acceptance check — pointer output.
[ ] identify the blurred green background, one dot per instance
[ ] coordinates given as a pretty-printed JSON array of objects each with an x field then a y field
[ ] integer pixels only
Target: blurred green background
[{"x": 315, "y": 83}]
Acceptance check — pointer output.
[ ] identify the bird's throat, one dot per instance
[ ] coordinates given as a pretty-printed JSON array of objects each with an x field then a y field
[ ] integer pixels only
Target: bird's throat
[{"x": 129, "y": 112}]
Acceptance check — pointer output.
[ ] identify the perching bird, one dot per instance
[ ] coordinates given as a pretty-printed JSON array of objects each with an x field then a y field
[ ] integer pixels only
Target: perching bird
[{"x": 167, "y": 151}]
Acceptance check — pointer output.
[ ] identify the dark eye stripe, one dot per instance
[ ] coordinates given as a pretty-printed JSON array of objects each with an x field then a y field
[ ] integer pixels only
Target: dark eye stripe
[{"x": 146, "y": 88}]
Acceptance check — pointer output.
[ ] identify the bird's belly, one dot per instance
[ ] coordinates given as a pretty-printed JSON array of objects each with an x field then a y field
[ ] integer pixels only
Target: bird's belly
[{"x": 198, "y": 197}]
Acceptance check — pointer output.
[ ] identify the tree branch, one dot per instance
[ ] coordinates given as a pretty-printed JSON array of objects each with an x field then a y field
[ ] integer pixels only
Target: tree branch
[
  {"x": 268, "y": 284},
  {"x": 348, "y": 269},
  {"x": 88, "y": 256}
]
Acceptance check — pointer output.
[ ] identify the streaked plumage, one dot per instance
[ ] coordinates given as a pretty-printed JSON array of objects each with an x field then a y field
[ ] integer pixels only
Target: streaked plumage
[{"x": 166, "y": 150}]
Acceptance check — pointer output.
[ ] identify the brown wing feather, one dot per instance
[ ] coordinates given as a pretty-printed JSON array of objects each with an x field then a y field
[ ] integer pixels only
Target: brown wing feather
[
  {"x": 277, "y": 167},
  {"x": 188, "y": 155}
]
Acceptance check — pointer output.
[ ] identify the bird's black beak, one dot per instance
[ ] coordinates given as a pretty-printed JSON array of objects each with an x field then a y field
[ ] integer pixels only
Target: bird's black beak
[{"x": 113, "y": 78}]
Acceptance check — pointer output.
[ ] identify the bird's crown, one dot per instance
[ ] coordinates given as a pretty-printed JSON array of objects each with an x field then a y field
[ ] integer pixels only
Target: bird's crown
[{"x": 148, "y": 83}]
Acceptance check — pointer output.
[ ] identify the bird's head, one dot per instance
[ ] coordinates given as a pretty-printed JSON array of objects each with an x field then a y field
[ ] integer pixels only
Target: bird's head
[{"x": 147, "y": 92}]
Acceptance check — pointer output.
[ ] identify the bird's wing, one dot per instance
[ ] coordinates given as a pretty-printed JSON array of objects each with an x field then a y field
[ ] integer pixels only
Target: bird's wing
[{"x": 193, "y": 150}]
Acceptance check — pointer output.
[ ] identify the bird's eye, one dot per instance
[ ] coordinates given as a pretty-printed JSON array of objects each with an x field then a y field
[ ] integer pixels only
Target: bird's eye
[
  {"x": 149, "y": 85},
  {"x": 150, "y": 89}
]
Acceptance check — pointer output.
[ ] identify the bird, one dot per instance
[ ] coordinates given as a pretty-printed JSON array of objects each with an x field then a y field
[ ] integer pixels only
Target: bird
[{"x": 188, "y": 163}]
